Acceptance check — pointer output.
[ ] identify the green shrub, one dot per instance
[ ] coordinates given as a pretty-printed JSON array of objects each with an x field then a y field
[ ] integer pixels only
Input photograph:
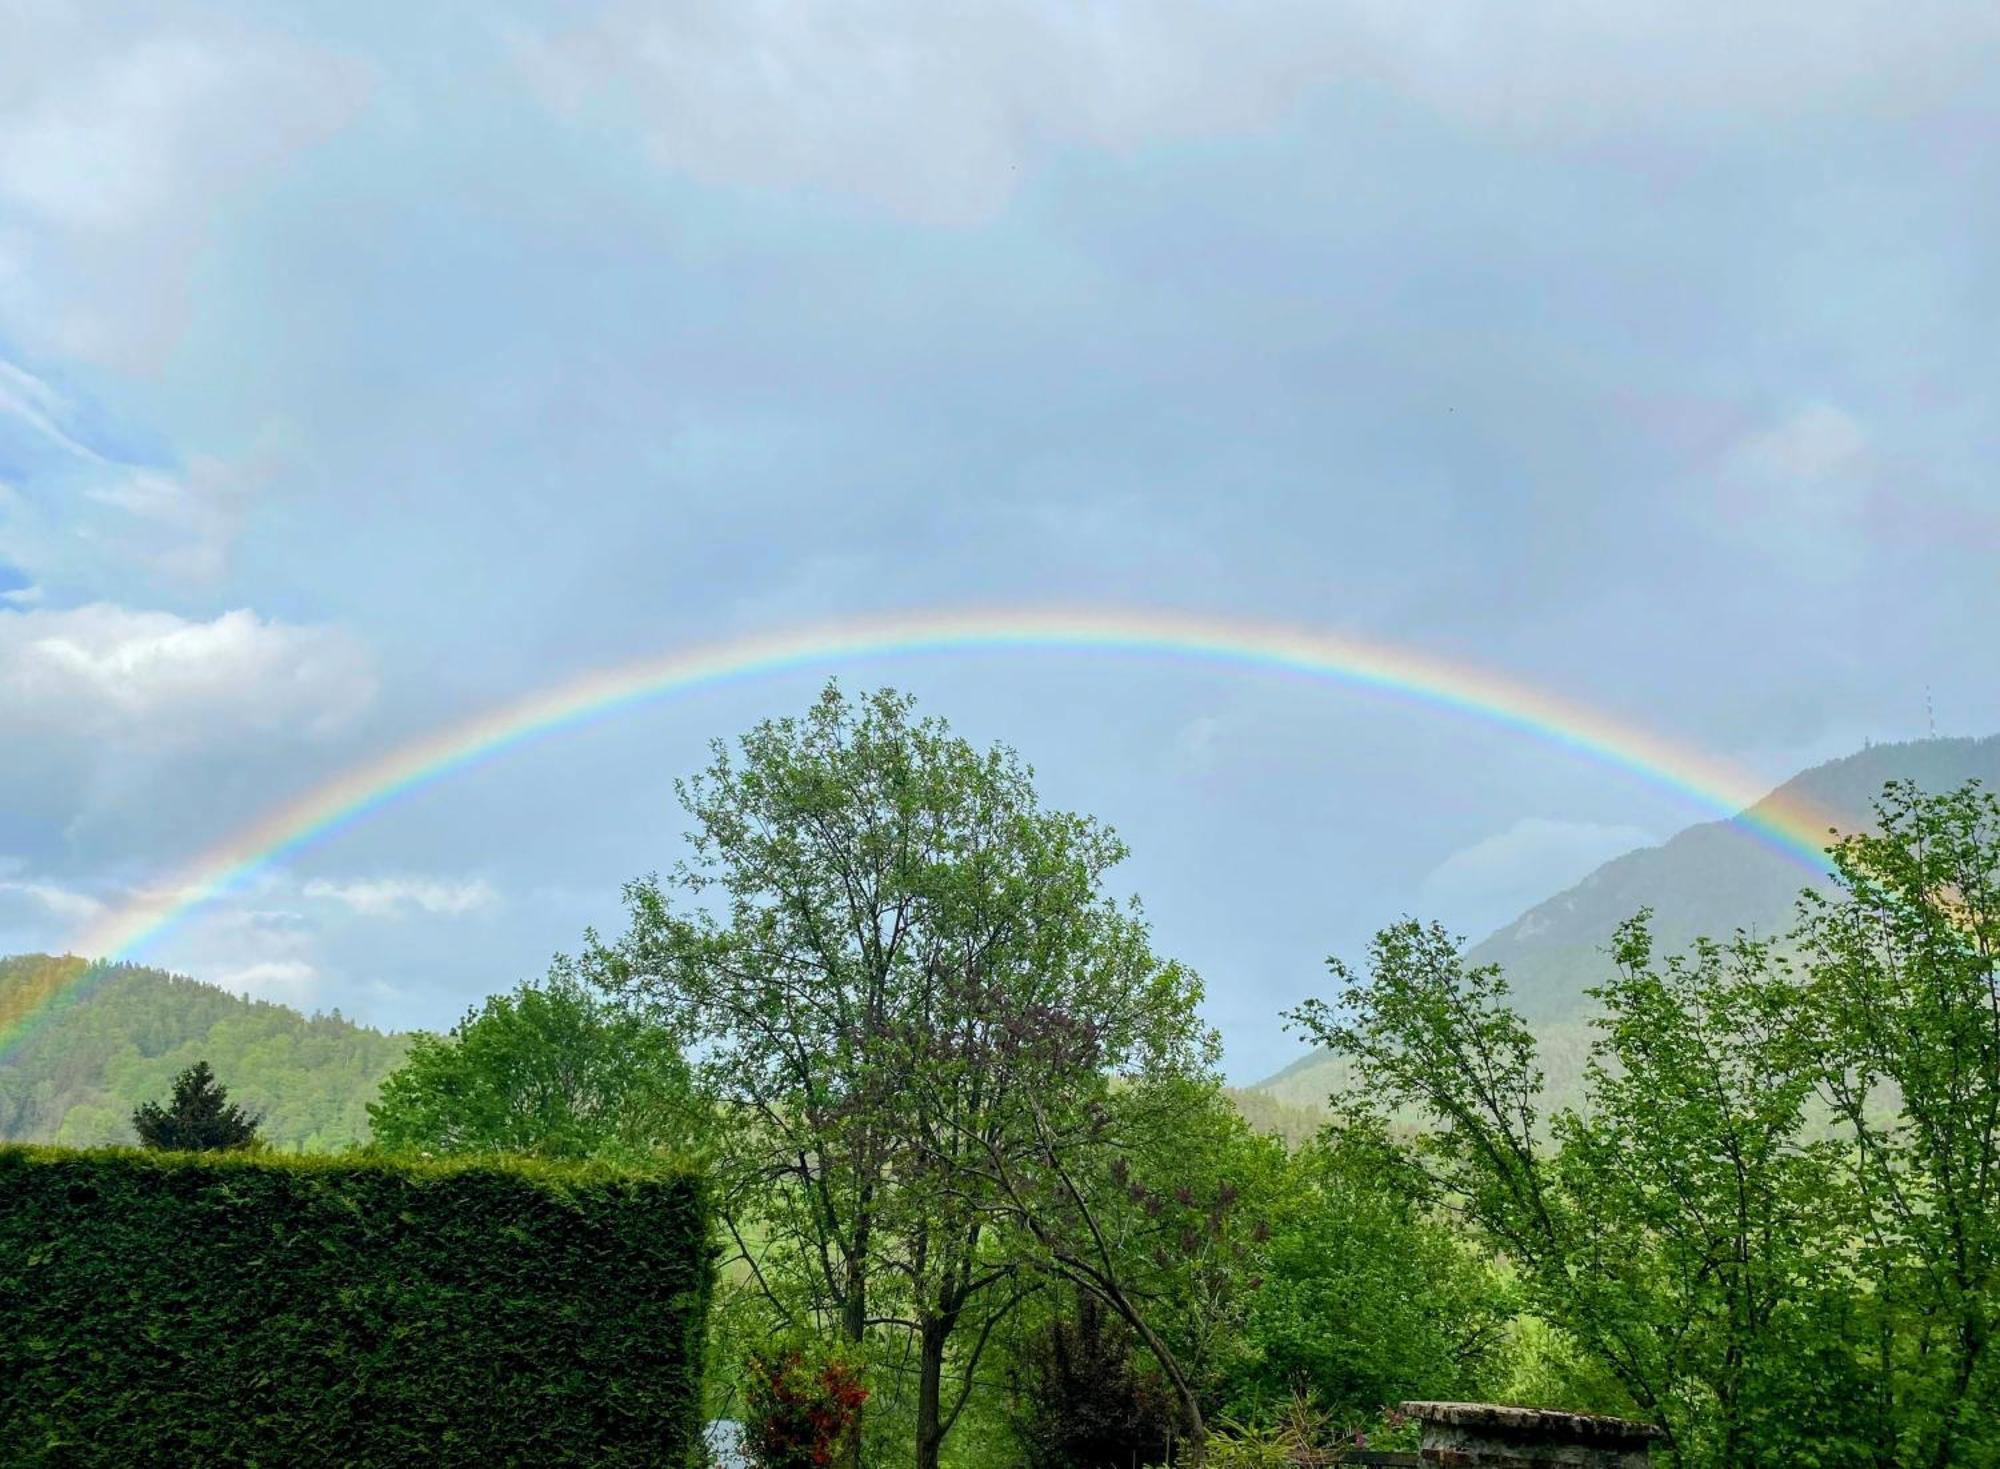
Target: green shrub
[{"x": 223, "y": 1309}]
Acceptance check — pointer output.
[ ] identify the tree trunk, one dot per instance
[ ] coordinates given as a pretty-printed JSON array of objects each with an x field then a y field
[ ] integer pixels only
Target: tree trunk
[
  {"x": 854, "y": 1328},
  {"x": 931, "y": 1338},
  {"x": 1197, "y": 1451}
]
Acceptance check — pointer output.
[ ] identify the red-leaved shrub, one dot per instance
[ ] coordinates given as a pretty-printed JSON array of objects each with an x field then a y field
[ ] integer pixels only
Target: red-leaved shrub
[{"x": 799, "y": 1411}]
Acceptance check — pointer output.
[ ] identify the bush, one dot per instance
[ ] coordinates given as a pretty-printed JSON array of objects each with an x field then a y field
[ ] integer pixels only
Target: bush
[
  {"x": 801, "y": 1410},
  {"x": 1089, "y": 1400},
  {"x": 220, "y": 1308}
]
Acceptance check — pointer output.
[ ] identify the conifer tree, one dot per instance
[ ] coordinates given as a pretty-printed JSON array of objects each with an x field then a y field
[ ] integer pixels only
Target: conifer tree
[{"x": 199, "y": 1116}]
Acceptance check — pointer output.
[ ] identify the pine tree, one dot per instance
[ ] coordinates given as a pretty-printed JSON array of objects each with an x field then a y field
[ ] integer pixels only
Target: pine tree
[{"x": 199, "y": 1117}]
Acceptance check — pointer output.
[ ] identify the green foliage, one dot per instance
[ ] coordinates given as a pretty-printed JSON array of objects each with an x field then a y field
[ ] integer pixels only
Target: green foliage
[
  {"x": 1366, "y": 1298},
  {"x": 1542, "y": 1366},
  {"x": 553, "y": 1070},
  {"x": 1301, "y": 1432},
  {"x": 1905, "y": 967},
  {"x": 1775, "y": 1219},
  {"x": 1669, "y": 1229},
  {"x": 233, "y": 1309},
  {"x": 198, "y": 1117},
  {"x": 105, "y": 1038}
]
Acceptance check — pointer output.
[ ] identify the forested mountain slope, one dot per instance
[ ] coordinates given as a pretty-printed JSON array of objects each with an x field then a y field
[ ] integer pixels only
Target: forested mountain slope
[{"x": 87, "y": 1061}]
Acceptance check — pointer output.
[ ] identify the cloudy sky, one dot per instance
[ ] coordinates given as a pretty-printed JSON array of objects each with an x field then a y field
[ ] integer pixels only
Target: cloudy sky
[{"x": 365, "y": 366}]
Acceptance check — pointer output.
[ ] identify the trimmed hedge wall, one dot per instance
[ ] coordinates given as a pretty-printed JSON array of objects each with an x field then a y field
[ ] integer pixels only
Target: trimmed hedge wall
[{"x": 225, "y": 1309}]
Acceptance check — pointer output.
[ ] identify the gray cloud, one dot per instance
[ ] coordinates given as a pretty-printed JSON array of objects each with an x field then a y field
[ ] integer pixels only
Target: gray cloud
[
  {"x": 935, "y": 112},
  {"x": 1637, "y": 354},
  {"x": 122, "y": 140}
]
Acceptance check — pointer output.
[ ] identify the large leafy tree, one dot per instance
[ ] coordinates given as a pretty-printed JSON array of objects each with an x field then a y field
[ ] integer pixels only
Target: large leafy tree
[
  {"x": 1905, "y": 965},
  {"x": 1776, "y": 1217},
  {"x": 876, "y": 921},
  {"x": 198, "y": 1117},
  {"x": 1671, "y": 1224},
  {"x": 554, "y": 1069}
]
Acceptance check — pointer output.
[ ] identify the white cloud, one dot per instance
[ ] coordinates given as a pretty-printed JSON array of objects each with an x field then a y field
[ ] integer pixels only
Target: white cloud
[
  {"x": 155, "y": 679},
  {"x": 930, "y": 111},
  {"x": 185, "y": 524},
  {"x": 55, "y": 900},
  {"x": 25, "y": 397},
  {"x": 936, "y": 112},
  {"x": 1797, "y": 490},
  {"x": 389, "y": 897},
  {"x": 179, "y": 524},
  {"x": 122, "y": 135},
  {"x": 288, "y": 981},
  {"x": 1557, "y": 70},
  {"x": 1490, "y": 883}
]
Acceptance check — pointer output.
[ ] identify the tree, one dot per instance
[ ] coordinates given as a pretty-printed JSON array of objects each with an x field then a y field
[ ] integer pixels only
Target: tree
[
  {"x": 1906, "y": 990},
  {"x": 199, "y": 1117},
  {"x": 1367, "y": 1296},
  {"x": 1703, "y": 1221},
  {"x": 1776, "y": 1217},
  {"x": 1675, "y": 1226},
  {"x": 873, "y": 914},
  {"x": 1146, "y": 1195},
  {"x": 555, "y": 1069}
]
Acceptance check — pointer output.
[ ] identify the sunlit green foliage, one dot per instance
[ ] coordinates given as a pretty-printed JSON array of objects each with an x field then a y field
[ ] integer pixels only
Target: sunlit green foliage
[
  {"x": 553, "y": 1070},
  {"x": 1773, "y": 1219},
  {"x": 1366, "y": 1297},
  {"x": 1905, "y": 1000}
]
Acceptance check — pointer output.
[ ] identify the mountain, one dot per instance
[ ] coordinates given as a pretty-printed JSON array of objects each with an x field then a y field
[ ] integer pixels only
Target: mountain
[
  {"x": 1707, "y": 880},
  {"x": 86, "y": 1063}
]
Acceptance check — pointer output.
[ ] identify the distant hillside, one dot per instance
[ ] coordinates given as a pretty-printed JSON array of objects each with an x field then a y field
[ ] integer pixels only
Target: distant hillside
[
  {"x": 1275, "y": 1116},
  {"x": 1707, "y": 880},
  {"x": 77, "y": 1077}
]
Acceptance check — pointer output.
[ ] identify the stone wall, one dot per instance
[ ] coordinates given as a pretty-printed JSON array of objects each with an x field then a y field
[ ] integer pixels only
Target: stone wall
[{"x": 1485, "y": 1436}]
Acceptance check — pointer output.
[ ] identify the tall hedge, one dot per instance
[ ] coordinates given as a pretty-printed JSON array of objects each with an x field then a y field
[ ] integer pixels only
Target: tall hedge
[{"x": 164, "y": 1308}]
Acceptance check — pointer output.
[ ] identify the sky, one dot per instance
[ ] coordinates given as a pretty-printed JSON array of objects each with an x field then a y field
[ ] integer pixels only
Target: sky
[{"x": 365, "y": 367}]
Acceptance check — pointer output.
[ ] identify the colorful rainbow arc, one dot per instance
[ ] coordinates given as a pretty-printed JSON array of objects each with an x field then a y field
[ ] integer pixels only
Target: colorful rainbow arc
[{"x": 1785, "y": 824}]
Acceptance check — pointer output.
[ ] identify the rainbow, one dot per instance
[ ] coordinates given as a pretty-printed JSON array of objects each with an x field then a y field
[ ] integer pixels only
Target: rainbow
[{"x": 1710, "y": 786}]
